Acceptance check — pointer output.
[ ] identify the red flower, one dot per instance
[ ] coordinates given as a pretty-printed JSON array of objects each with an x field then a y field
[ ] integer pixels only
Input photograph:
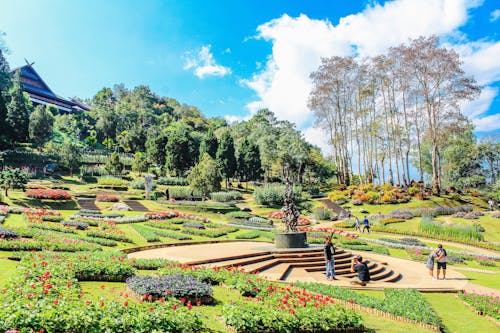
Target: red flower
[
  {"x": 125, "y": 303},
  {"x": 56, "y": 302},
  {"x": 183, "y": 300},
  {"x": 174, "y": 307},
  {"x": 101, "y": 304}
]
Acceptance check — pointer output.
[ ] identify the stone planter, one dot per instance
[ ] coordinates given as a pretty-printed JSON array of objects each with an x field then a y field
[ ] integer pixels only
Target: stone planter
[{"x": 290, "y": 240}]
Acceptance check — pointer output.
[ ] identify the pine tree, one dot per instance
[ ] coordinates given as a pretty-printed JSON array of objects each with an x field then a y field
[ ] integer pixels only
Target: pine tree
[
  {"x": 226, "y": 157},
  {"x": 249, "y": 164},
  {"x": 209, "y": 144},
  {"x": 4, "y": 89},
  {"x": 18, "y": 111},
  {"x": 205, "y": 176},
  {"x": 40, "y": 126}
]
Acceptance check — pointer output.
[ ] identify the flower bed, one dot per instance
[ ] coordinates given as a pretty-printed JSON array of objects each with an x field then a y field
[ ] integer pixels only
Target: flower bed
[
  {"x": 147, "y": 233},
  {"x": 116, "y": 235},
  {"x": 178, "y": 286},
  {"x": 483, "y": 304},
  {"x": 150, "y": 264},
  {"x": 47, "y": 298},
  {"x": 408, "y": 303},
  {"x": 464, "y": 233},
  {"x": 280, "y": 215},
  {"x": 225, "y": 196},
  {"x": 107, "y": 198},
  {"x": 8, "y": 234},
  {"x": 48, "y": 194},
  {"x": 331, "y": 231},
  {"x": 175, "y": 214},
  {"x": 77, "y": 224},
  {"x": 51, "y": 218}
]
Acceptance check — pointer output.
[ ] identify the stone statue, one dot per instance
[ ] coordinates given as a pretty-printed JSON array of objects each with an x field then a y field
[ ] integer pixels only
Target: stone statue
[{"x": 290, "y": 211}]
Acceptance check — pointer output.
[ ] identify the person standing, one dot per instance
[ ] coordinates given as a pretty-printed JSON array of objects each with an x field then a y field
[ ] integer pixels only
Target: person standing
[
  {"x": 366, "y": 225},
  {"x": 358, "y": 266},
  {"x": 357, "y": 225},
  {"x": 329, "y": 250},
  {"x": 441, "y": 261},
  {"x": 430, "y": 263},
  {"x": 491, "y": 203}
]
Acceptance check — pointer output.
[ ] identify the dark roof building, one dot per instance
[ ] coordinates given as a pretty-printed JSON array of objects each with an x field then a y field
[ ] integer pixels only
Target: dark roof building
[{"x": 40, "y": 93}]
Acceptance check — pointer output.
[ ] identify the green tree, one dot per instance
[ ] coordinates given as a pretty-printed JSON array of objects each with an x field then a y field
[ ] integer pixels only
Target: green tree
[
  {"x": 180, "y": 150},
  {"x": 226, "y": 156},
  {"x": 103, "y": 111},
  {"x": 205, "y": 176},
  {"x": 155, "y": 146},
  {"x": 18, "y": 110},
  {"x": 209, "y": 144},
  {"x": 12, "y": 178},
  {"x": 140, "y": 163},
  {"x": 5, "y": 83},
  {"x": 40, "y": 125},
  {"x": 249, "y": 165},
  {"x": 114, "y": 166},
  {"x": 70, "y": 156}
]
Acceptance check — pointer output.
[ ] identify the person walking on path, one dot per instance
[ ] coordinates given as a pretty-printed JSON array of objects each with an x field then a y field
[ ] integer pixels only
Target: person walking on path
[
  {"x": 357, "y": 225},
  {"x": 441, "y": 261},
  {"x": 329, "y": 250},
  {"x": 430, "y": 263},
  {"x": 366, "y": 225},
  {"x": 358, "y": 266},
  {"x": 491, "y": 203}
]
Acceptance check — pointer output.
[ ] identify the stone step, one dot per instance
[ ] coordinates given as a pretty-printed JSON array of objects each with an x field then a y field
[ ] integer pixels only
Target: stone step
[
  {"x": 393, "y": 277},
  {"x": 224, "y": 261}
]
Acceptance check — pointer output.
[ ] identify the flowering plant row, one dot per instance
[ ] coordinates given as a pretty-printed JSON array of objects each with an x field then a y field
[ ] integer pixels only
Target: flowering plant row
[
  {"x": 47, "y": 298},
  {"x": 173, "y": 214},
  {"x": 48, "y": 194},
  {"x": 330, "y": 231},
  {"x": 77, "y": 224},
  {"x": 487, "y": 304},
  {"x": 408, "y": 303},
  {"x": 47, "y": 242},
  {"x": 8, "y": 234},
  {"x": 280, "y": 215},
  {"x": 113, "y": 234},
  {"x": 107, "y": 198}
]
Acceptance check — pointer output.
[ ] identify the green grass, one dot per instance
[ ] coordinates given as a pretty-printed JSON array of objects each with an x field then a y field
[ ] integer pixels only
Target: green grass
[
  {"x": 457, "y": 317},
  {"x": 97, "y": 290},
  {"x": 7, "y": 271},
  {"x": 489, "y": 223},
  {"x": 483, "y": 279}
]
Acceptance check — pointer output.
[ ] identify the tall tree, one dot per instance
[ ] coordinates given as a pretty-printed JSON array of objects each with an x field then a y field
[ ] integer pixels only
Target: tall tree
[
  {"x": 40, "y": 125},
  {"x": 226, "y": 156},
  {"x": 103, "y": 111},
  {"x": 5, "y": 83},
  {"x": 180, "y": 150},
  {"x": 209, "y": 144},
  {"x": 18, "y": 110},
  {"x": 249, "y": 165}
]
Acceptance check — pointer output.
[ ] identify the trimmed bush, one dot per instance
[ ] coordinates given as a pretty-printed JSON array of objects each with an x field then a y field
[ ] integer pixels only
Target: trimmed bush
[
  {"x": 225, "y": 196},
  {"x": 322, "y": 214}
]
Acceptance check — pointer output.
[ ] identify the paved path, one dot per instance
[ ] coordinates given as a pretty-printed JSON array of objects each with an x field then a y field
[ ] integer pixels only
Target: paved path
[
  {"x": 414, "y": 274},
  {"x": 136, "y": 205}
]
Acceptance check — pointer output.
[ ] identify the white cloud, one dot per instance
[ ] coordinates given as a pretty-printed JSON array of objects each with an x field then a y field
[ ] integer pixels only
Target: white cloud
[
  {"x": 494, "y": 15},
  {"x": 481, "y": 60},
  {"x": 476, "y": 108},
  {"x": 318, "y": 137},
  {"x": 283, "y": 85},
  {"x": 204, "y": 64},
  {"x": 488, "y": 123}
]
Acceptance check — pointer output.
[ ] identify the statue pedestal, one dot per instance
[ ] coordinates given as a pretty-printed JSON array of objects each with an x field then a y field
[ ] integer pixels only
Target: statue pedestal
[{"x": 290, "y": 240}]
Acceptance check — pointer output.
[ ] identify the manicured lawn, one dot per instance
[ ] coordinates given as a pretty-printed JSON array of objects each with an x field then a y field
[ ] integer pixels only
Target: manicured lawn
[
  {"x": 483, "y": 279},
  {"x": 457, "y": 317}
]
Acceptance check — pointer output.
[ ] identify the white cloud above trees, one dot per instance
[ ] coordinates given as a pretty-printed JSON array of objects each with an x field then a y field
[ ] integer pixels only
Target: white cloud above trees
[{"x": 203, "y": 64}]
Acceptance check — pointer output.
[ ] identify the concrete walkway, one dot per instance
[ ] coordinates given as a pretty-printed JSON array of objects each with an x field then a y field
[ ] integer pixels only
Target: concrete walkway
[{"x": 415, "y": 275}]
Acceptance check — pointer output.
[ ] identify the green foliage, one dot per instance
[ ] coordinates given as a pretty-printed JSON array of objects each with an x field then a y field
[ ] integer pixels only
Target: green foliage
[
  {"x": 209, "y": 144},
  {"x": 12, "y": 178},
  {"x": 169, "y": 181},
  {"x": 226, "y": 155},
  {"x": 181, "y": 149},
  {"x": 323, "y": 214},
  {"x": 41, "y": 122},
  {"x": 249, "y": 164},
  {"x": 205, "y": 176},
  {"x": 18, "y": 110},
  {"x": 408, "y": 303},
  {"x": 428, "y": 226},
  {"x": 487, "y": 304},
  {"x": 140, "y": 163},
  {"x": 114, "y": 165},
  {"x": 225, "y": 196},
  {"x": 274, "y": 194},
  {"x": 111, "y": 181}
]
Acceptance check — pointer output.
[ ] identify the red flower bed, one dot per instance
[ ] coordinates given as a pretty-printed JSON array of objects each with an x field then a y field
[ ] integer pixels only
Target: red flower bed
[
  {"x": 48, "y": 194},
  {"x": 341, "y": 233},
  {"x": 280, "y": 215},
  {"x": 171, "y": 214},
  {"x": 107, "y": 198}
]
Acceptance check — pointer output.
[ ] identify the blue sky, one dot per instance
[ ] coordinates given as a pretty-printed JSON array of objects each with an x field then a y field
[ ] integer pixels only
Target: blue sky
[{"x": 231, "y": 58}]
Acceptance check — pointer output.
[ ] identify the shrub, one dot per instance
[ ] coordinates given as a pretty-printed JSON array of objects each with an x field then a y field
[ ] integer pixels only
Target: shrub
[
  {"x": 249, "y": 235},
  {"x": 147, "y": 233},
  {"x": 225, "y": 196},
  {"x": 337, "y": 196},
  {"x": 107, "y": 198},
  {"x": 111, "y": 181},
  {"x": 8, "y": 234},
  {"x": 51, "y": 218},
  {"x": 139, "y": 185},
  {"x": 48, "y": 194},
  {"x": 274, "y": 194},
  {"x": 430, "y": 227},
  {"x": 323, "y": 214},
  {"x": 177, "y": 181},
  {"x": 487, "y": 304}
]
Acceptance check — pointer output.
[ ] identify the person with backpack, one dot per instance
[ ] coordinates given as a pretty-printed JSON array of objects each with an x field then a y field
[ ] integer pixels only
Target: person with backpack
[
  {"x": 366, "y": 225},
  {"x": 358, "y": 266},
  {"x": 329, "y": 250},
  {"x": 441, "y": 261}
]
